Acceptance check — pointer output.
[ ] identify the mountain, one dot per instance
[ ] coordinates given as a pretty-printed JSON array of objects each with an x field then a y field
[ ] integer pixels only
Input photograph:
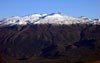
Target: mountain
[
  {"x": 53, "y": 18},
  {"x": 49, "y": 38}
]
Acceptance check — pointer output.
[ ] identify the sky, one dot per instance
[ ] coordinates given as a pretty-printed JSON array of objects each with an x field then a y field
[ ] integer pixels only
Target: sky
[{"x": 76, "y": 8}]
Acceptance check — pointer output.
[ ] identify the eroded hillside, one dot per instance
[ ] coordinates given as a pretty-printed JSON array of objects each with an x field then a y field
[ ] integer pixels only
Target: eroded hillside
[{"x": 49, "y": 43}]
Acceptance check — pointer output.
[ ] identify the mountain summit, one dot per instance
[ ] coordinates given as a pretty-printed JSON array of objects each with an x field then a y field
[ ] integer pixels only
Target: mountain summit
[
  {"x": 53, "y": 18},
  {"x": 49, "y": 38}
]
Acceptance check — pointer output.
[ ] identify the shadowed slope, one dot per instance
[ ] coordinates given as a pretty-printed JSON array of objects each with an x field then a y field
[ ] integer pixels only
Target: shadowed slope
[{"x": 67, "y": 43}]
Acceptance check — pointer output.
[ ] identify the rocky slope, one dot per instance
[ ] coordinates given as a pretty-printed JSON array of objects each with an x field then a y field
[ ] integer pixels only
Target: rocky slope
[{"x": 51, "y": 38}]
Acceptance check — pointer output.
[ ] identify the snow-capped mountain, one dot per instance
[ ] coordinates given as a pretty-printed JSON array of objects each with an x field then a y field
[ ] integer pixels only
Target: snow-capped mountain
[{"x": 53, "y": 18}]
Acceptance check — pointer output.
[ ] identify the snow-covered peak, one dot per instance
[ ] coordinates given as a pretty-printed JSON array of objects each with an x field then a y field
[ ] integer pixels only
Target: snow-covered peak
[
  {"x": 84, "y": 17},
  {"x": 53, "y": 18}
]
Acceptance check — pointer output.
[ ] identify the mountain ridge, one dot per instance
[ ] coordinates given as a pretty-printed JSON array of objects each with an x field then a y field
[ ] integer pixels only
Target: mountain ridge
[
  {"x": 53, "y": 18},
  {"x": 49, "y": 38}
]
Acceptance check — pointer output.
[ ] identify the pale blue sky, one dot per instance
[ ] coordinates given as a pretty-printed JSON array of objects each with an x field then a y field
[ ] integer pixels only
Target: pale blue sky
[{"x": 89, "y": 8}]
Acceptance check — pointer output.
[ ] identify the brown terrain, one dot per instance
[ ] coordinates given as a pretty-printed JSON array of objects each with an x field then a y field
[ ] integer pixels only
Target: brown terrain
[{"x": 50, "y": 43}]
